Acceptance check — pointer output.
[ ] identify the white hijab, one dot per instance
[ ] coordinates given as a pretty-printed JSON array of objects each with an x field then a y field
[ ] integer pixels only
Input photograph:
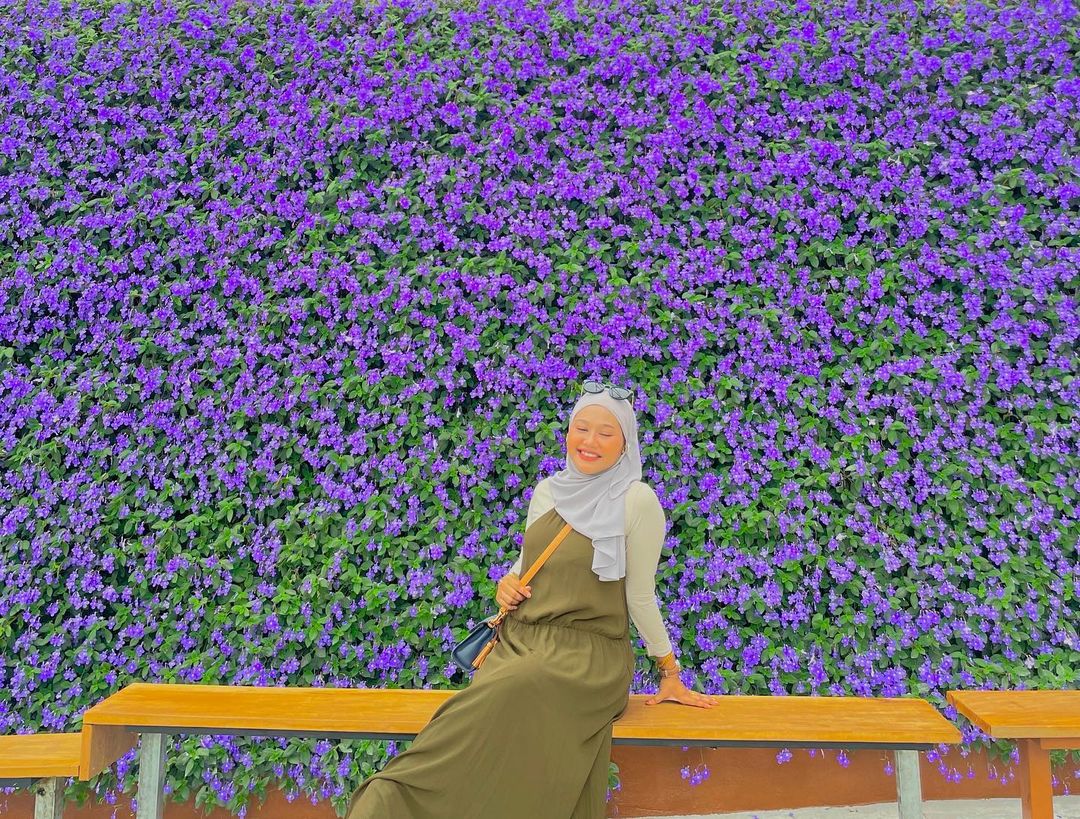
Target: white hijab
[{"x": 595, "y": 505}]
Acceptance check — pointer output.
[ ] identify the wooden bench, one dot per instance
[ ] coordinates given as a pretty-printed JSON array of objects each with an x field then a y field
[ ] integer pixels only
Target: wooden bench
[
  {"x": 904, "y": 726},
  {"x": 41, "y": 761},
  {"x": 44, "y": 761},
  {"x": 1040, "y": 721}
]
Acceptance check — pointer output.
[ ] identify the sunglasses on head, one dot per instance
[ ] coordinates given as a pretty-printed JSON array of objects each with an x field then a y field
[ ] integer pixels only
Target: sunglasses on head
[{"x": 618, "y": 393}]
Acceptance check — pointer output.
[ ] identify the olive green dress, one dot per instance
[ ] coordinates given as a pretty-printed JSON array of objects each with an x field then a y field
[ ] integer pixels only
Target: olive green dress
[{"x": 530, "y": 737}]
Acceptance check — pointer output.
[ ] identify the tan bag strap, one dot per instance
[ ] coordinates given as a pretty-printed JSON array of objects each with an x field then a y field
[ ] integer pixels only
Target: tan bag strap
[
  {"x": 495, "y": 621},
  {"x": 535, "y": 567}
]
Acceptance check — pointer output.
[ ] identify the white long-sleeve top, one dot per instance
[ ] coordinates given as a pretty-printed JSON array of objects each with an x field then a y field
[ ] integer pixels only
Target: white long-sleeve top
[{"x": 645, "y": 526}]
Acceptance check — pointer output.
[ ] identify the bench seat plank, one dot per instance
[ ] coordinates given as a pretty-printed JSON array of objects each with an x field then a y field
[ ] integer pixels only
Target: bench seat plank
[
  {"x": 286, "y": 711},
  {"x": 400, "y": 713},
  {"x": 39, "y": 756},
  {"x": 1040, "y": 721},
  {"x": 1021, "y": 714},
  {"x": 102, "y": 745},
  {"x": 793, "y": 721}
]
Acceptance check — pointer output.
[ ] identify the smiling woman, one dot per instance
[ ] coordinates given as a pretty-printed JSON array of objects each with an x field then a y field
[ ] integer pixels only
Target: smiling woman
[{"x": 530, "y": 736}]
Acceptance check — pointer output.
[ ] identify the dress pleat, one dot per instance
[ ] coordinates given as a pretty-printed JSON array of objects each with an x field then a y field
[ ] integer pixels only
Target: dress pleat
[{"x": 530, "y": 737}]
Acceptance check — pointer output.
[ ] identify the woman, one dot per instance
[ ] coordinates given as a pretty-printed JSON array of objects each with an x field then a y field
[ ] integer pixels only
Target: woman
[{"x": 530, "y": 737}]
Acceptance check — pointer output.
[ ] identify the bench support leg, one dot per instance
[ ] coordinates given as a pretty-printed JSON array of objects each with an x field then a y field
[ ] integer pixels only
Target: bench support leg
[
  {"x": 908, "y": 784},
  {"x": 1036, "y": 791},
  {"x": 49, "y": 798},
  {"x": 151, "y": 799}
]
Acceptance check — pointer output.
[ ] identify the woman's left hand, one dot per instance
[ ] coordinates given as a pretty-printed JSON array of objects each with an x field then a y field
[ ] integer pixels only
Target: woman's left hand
[{"x": 672, "y": 688}]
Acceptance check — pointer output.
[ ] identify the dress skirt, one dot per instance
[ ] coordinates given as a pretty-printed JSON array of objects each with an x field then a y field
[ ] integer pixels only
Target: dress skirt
[{"x": 530, "y": 737}]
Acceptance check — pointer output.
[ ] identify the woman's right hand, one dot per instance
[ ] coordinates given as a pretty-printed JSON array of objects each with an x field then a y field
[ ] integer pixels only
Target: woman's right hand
[{"x": 510, "y": 591}]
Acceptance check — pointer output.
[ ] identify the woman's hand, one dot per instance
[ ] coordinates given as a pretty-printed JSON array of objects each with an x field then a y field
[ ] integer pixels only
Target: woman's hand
[
  {"x": 672, "y": 688},
  {"x": 511, "y": 592}
]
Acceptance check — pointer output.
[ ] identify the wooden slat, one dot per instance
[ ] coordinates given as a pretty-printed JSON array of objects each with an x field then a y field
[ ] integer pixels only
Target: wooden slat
[
  {"x": 102, "y": 745},
  {"x": 314, "y": 711},
  {"x": 39, "y": 755},
  {"x": 339, "y": 712},
  {"x": 836, "y": 721},
  {"x": 1059, "y": 743},
  {"x": 1021, "y": 714}
]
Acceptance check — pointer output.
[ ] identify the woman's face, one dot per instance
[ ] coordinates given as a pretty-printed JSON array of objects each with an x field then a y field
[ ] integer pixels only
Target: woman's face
[{"x": 594, "y": 431}]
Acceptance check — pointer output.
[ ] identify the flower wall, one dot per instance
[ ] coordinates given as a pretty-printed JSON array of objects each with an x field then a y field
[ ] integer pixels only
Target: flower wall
[{"x": 295, "y": 298}]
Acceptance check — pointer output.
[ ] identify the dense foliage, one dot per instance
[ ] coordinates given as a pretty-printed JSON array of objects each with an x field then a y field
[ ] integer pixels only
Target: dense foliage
[{"x": 295, "y": 297}]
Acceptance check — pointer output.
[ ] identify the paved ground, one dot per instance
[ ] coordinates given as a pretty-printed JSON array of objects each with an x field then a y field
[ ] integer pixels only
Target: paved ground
[{"x": 1065, "y": 807}]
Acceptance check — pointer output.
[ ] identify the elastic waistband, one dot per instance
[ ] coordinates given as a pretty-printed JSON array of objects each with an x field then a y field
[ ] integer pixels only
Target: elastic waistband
[{"x": 545, "y": 623}]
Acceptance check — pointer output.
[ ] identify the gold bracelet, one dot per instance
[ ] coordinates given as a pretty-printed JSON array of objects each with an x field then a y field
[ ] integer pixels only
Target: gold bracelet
[
  {"x": 671, "y": 670},
  {"x": 671, "y": 655}
]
